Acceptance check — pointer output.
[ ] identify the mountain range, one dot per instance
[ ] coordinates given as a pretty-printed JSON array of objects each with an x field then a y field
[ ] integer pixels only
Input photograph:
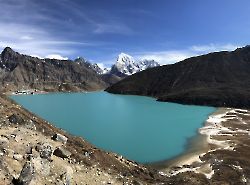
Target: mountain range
[
  {"x": 216, "y": 79},
  {"x": 125, "y": 65},
  {"x": 19, "y": 71}
]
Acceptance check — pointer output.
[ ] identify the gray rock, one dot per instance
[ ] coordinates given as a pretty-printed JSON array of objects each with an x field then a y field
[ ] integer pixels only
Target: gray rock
[
  {"x": 3, "y": 141},
  {"x": 42, "y": 166},
  {"x": 17, "y": 157},
  {"x": 16, "y": 119},
  {"x": 30, "y": 125},
  {"x": 62, "y": 152},
  {"x": 45, "y": 150},
  {"x": 65, "y": 178},
  {"x": 27, "y": 174},
  {"x": 60, "y": 137},
  {"x": 135, "y": 182},
  {"x": 29, "y": 150}
]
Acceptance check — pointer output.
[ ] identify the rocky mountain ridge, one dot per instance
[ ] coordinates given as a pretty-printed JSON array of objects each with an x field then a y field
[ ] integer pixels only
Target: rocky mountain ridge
[
  {"x": 93, "y": 66},
  {"x": 22, "y": 71},
  {"x": 124, "y": 66}
]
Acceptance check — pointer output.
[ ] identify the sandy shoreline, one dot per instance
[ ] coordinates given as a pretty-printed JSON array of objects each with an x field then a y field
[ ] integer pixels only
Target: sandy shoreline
[
  {"x": 197, "y": 146},
  {"x": 211, "y": 138}
]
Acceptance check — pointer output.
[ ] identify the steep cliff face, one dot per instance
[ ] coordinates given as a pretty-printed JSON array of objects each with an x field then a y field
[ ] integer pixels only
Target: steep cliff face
[
  {"x": 218, "y": 79},
  {"x": 21, "y": 71}
]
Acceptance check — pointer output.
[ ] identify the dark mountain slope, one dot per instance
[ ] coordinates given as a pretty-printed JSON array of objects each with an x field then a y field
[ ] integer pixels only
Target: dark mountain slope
[
  {"x": 217, "y": 79},
  {"x": 21, "y": 71},
  {"x": 110, "y": 78}
]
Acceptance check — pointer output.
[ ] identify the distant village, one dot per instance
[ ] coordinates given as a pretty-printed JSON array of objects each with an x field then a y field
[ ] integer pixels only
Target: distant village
[{"x": 29, "y": 91}]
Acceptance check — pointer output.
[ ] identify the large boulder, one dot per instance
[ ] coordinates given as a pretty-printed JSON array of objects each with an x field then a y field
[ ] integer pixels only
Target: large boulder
[
  {"x": 16, "y": 119},
  {"x": 27, "y": 174},
  {"x": 62, "y": 152},
  {"x": 60, "y": 137},
  {"x": 18, "y": 157},
  {"x": 45, "y": 150}
]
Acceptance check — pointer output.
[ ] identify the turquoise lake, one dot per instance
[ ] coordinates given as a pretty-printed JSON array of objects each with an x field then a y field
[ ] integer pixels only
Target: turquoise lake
[{"x": 136, "y": 127}]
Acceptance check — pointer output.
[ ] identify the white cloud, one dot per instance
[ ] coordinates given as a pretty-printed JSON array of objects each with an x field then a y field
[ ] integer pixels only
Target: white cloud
[
  {"x": 32, "y": 40},
  {"x": 214, "y": 47},
  {"x": 173, "y": 56},
  {"x": 22, "y": 31},
  {"x": 26, "y": 37},
  {"x": 165, "y": 57},
  {"x": 116, "y": 27},
  {"x": 56, "y": 56},
  {"x": 36, "y": 56}
]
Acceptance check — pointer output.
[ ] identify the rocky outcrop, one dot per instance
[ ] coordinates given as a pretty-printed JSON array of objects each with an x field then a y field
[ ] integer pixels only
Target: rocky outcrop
[{"x": 216, "y": 79}]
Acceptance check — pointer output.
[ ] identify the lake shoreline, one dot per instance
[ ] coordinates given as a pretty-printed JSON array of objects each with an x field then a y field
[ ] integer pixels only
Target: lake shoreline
[
  {"x": 211, "y": 164},
  {"x": 89, "y": 163},
  {"x": 196, "y": 146},
  {"x": 213, "y": 138},
  {"x": 141, "y": 112}
]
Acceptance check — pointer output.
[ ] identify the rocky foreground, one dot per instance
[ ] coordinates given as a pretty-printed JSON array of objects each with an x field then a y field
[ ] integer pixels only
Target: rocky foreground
[{"x": 32, "y": 151}]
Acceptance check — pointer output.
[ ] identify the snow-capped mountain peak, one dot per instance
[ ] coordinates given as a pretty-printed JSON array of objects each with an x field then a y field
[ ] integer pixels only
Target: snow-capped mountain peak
[
  {"x": 127, "y": 65},
  {"x": 124, "y": 58}
]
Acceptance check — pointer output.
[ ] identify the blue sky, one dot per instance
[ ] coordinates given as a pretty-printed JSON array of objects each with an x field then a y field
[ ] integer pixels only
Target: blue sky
[{"x": 98, "y": 30}]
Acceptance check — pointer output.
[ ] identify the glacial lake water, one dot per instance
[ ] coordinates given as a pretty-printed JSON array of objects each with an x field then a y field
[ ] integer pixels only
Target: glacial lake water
[{"x": 136, "y": 127}]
